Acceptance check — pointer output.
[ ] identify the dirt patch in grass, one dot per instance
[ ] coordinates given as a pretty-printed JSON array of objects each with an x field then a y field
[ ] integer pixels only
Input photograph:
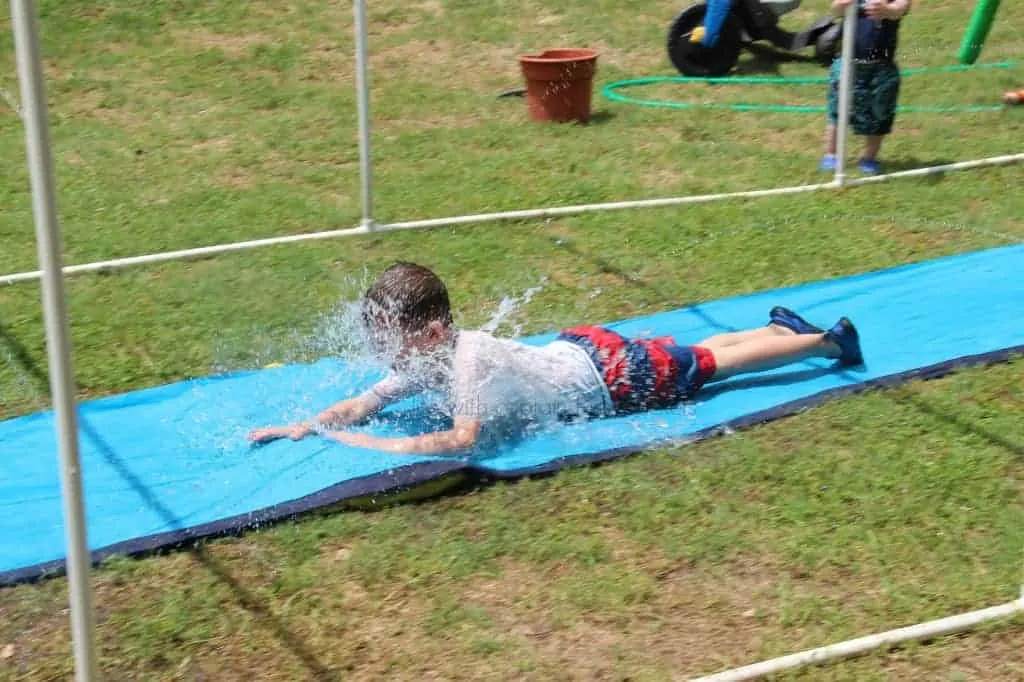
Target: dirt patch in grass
[
  {"x": 415, "y": 57},
  {"x": 915, "y": 236},
  {"x": 434, "y": 7},
  {"x": 93, "y": 104},
  {"x": 660, "y": 180},
  {"x": 149, "y": 112},
  {"x": 929, "y": 235},
  {"x": 426, "y": 121},
  {"x": 328, "y": 62},
  {"x": 214, "y": 144},
  {"x": 584, "y": 280},
  {"x": 232, "y": 45},
  {"x": 243, "y": 609},
  {"x": 678, "y": 618},
  {"x": 445, "y": 64},
  {"x": 234, "y": 177},
  {"x": 641, "y": 62},
  {"x": 695, "y": 623},
  {"x": 991, "y": 655}
]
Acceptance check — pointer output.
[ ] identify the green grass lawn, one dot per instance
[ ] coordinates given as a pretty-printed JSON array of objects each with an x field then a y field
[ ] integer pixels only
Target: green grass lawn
[{"x": 187, "y": 123}]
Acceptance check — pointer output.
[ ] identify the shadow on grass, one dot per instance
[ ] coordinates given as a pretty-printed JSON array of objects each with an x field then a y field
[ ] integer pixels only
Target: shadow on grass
[
  {"x": 912, "y": 163},
  {"x": 601, "y": 117},
  {"x": 245, "y": 598},
  {"x": 990, "y": 436},
  {"x": 764, "y": 59},
  {"x": 608, "y": 268}
]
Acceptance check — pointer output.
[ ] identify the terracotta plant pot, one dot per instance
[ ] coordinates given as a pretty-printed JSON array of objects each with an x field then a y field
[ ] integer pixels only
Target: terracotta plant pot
[{"x": 559, "y": 84}]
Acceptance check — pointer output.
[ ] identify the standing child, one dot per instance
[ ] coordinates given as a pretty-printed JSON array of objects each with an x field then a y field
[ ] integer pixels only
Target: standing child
[
  {"x": 586, "y": 372},
  {"x": 876, "y": 79}
]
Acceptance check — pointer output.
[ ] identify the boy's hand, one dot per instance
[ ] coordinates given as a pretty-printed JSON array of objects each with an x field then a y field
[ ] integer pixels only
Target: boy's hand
[
  {"x": 876, "y": 9},
  {"x": 295, "y": 432},
  {"x": 887, "y": 9},
  {"x": 839, "y": 6}
]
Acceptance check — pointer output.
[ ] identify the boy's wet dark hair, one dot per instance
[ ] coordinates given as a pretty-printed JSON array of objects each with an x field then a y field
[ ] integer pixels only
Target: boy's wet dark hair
[{"x": 407, "y": 297}]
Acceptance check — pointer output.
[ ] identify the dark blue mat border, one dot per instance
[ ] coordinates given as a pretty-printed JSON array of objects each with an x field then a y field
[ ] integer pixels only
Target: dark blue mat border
[
  {"x": 422, "y": 472},
  {"x": 375, "y": 484}
]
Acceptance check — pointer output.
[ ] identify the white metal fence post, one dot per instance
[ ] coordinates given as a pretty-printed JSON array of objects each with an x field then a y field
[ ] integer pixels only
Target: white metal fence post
[
  {"x": 363, "y": 100},
  {"x": 62, "y": 384},
  {"x": 845, "y": 91}
]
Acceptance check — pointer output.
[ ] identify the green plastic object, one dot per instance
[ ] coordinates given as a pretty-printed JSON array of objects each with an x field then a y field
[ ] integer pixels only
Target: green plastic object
[
  {"x": 611, "y": 91},
  {"x": 977, "y": 30}
]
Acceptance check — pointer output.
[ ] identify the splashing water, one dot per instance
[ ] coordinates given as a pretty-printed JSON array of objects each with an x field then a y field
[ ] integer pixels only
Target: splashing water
[
  {"x": 337, "y": 334},
  {"x": 508, "y": 306}
]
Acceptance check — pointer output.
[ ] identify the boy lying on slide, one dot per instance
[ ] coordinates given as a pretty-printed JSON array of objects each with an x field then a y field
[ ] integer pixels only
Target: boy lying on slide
[{"x": 586, "y": 372}]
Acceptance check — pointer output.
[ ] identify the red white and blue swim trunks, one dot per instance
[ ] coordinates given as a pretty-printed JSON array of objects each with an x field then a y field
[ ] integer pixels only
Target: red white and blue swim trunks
[{"x": 644, "y": 373}]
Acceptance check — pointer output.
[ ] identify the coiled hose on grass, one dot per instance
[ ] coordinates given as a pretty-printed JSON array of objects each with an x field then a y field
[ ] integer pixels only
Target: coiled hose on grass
[{"x": 611, "y": 91}]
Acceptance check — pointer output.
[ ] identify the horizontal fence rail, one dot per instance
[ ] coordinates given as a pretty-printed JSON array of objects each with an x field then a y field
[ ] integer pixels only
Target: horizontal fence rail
[
  {"x": 527, "y": 214},
  {"x": 863, "y": 645}
]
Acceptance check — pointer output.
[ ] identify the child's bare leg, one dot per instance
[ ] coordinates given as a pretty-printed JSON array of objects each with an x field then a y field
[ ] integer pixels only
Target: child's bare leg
[
  {"x": 733, "y": 338},
  {"x": 770, "y": 352},
  {"x": 830, "y": 140},
  {"x": 872, "y": 145}
]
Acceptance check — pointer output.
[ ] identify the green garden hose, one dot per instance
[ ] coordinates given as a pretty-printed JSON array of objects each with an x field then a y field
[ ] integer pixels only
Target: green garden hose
[{"x": 610, "y": 91}]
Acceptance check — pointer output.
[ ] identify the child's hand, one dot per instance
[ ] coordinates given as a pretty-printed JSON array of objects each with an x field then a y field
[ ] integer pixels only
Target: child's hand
[
  {"x": 296, "y": 432},
  {"x": 877, "y": 9},
  {"x": 839, "y": 6}
]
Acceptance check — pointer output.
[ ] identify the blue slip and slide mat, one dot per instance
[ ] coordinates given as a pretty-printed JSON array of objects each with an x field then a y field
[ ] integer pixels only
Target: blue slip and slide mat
[{"x": 168, "y": 465}]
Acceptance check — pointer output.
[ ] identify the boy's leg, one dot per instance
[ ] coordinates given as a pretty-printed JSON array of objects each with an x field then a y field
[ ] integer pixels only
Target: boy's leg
[
  {"x": 883, "y": 94},
  {"x": 872, "y": 144},
  {"x": 830, "y": 139},
  {"x": 783, "y": 321},
  {"x": 861, "y": 108},
  {"x": 735, "y": 338},
  {"x": 841, "y": 342},
  {"x": 770, "y": 352},
  {"x": 828, "y": 161}
]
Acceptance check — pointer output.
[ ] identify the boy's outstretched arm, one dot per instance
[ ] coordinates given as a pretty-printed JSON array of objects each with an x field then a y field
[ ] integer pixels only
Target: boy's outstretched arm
[
  {"x": 340, "y": 414},
  {"x": 472, "y": 369},
  {"x": 461, "y": 437}
]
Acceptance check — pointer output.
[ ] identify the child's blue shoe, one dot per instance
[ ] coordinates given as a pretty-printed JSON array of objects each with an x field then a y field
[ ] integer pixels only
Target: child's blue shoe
[
  {"x": 828, "y": 163},
  {"x": 784, "y": 317},
  {"x": 869, "y": 167},
  {"x": 845, "y": 335}
]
